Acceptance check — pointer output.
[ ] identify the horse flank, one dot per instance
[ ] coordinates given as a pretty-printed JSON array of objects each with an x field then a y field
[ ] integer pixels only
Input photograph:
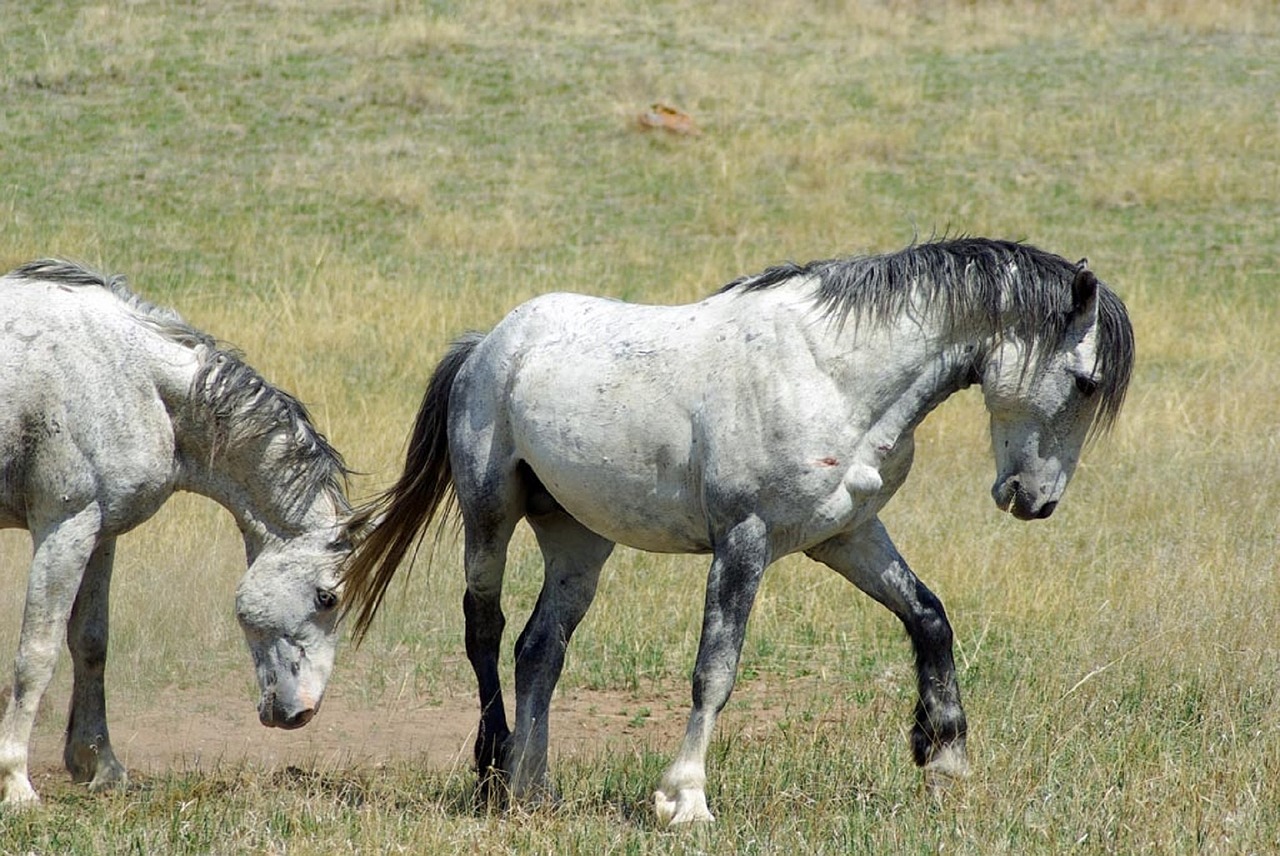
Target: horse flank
[{"x": 242, "y": 404}]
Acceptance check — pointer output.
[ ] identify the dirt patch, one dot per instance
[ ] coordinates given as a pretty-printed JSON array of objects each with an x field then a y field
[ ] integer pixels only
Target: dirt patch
[{"x": 203, "y": 728}]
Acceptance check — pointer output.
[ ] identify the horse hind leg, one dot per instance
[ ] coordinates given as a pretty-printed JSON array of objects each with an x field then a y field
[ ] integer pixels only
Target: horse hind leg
[
  {"x": 88, "y": 754},
  {"x": 485, "y": 560},
  {"x": 573, "y": 556}
]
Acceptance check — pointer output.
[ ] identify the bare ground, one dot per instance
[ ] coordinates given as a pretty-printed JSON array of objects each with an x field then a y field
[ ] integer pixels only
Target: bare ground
[{"x": 207, "y": 727}]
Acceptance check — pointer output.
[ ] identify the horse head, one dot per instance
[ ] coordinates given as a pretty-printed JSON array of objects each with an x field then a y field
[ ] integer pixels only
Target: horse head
[
  {"x": 287, "y": 605},
  {"x": 1044, "y": 395}
]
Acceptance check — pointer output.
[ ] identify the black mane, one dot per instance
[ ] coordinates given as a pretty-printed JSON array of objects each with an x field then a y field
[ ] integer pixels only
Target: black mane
[
  {"x": 242, "y": 404},
  {"x": 970, "y": 279}
]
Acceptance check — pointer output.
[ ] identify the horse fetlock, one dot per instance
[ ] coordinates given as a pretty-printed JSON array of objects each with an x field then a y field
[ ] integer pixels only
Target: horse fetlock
[
  {"x": 947, "y": 760},
  {"x": 81, "y": 761},
  {"x": 927, "y": 743},
  {"x": 529, "y": 782}
]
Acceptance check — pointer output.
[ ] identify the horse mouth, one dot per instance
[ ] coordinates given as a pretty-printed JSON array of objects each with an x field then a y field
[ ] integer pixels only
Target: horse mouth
[
  {"x": 1010, "y": 496},
  {"x": 272, "y": 715}
]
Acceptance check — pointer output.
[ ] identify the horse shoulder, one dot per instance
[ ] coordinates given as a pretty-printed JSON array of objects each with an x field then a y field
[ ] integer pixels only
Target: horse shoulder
[{"x": 83, "y": 421}]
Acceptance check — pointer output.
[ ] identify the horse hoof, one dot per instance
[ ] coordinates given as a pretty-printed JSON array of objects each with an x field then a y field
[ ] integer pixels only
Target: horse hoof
[
  {"x": 18, "y": 793},
  {"x": 686, "y": 806},
  {"x": 947, "y": 767},
  {"x": 109, "y": 779}
]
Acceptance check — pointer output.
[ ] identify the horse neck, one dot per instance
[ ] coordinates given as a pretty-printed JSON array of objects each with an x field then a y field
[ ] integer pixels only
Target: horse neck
[
  {"x": 912, "y": 364},
  {"x": 256, "y": 478}
]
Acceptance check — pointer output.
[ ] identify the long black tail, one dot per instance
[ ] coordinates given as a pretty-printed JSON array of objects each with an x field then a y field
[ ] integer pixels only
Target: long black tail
[{"x": 389, "y": 526}]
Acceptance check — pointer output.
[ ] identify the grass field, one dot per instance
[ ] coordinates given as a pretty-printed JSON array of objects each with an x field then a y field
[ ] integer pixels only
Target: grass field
[{"x": 338, "y": 188}]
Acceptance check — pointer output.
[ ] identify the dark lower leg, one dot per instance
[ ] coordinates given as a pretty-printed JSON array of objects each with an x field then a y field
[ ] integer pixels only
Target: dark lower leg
[
  {"x": 939, "y": 717},
  {"x": 88, "y": 754},
  {"x": 484, "y": 626}
]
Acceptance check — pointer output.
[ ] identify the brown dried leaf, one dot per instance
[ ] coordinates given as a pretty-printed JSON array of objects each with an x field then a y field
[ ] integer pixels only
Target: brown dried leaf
[{"x": 667, "y": 118}]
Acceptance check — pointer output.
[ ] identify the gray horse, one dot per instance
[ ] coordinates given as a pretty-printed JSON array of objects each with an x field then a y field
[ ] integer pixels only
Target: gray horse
[
  {"x": 774, "y": 417},
  {"x": 108, "y": 405}
]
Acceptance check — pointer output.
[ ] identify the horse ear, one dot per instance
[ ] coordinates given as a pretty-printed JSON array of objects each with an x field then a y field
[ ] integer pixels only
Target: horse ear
[{"x": 1083, "y": 288}]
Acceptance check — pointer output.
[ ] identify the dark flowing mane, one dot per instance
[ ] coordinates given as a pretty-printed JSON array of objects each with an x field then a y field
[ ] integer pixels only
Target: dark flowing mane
[
  {"x": 971, "y": 279},
  {"x": 242, "y": 403},
  {"x": 244, "y": 406}
]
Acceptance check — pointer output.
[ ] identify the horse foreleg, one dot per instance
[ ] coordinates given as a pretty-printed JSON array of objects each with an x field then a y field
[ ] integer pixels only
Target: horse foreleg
[
  {"x": 573, "y": 556},
  {"x": 734, "y": 579},
  {"x": 57, "y": 566},
  {"x": 869, "y": 560},
  {"x": 88, "y": 754}
]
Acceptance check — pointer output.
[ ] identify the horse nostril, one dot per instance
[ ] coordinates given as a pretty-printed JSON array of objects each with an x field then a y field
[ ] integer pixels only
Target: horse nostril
[
  {"x": 298, "y": 719},
  {"x": 1046, "y": 510}
]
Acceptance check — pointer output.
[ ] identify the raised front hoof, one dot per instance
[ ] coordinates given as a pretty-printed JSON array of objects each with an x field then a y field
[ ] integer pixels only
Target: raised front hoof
[
  {"x": 681, "y": 807},
  {"x": 948, "y": 766}
]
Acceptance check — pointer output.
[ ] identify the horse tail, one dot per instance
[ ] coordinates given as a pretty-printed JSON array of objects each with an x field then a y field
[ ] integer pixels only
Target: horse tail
[{"x": 386, "y": 528}]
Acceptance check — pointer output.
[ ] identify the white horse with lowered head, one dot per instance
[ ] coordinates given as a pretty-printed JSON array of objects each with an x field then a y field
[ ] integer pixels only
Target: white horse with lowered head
[
  {"x": 109, "y": 404},
  {"x": 774, "y": 417}
]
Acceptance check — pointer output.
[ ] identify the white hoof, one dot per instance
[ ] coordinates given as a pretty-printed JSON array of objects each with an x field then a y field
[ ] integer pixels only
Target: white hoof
[
  {"x": 685, "y": 806},
  {"x": 947, "y": 767},
  {"x": 18, "y": 792}
]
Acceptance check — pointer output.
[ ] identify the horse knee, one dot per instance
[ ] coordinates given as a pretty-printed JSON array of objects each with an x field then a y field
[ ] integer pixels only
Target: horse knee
[{"x": 89, "y": 650}]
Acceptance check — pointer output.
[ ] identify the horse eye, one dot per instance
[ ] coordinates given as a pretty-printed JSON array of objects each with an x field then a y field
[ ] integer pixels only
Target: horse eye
[
  {"x": 326, "y": 599},
  {"x": 1086, "y": 385}
]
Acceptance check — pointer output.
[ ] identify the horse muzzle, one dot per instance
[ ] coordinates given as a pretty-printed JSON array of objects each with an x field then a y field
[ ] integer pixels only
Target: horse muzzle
[
  {"x": 275, "y": 713},
  {"x": 1010, "y": 494}
]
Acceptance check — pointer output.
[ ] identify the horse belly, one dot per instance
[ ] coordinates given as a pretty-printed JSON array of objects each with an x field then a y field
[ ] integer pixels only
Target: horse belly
[{"x": 648, "y": 500}]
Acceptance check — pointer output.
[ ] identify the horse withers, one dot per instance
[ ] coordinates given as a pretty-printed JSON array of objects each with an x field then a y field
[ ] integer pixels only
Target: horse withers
[
  {"x": 108, "y": 404},
  {"x": 775, "y": 416}
]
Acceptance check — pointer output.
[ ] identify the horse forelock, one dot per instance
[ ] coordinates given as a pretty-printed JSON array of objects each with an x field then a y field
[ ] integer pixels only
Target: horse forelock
[
  {"x": 996, "y": 283},
  {"x": 244, "y": 406}
]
